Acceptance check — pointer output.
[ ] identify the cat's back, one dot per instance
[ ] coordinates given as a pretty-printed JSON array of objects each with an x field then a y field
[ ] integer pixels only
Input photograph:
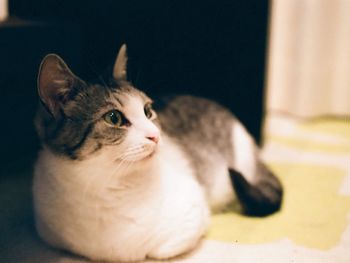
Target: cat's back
[{"x": 197, "y": 123}]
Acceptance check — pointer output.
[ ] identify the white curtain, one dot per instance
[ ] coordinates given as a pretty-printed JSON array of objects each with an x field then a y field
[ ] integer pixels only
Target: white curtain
[
  {"x": 309, "y": 57},
  {"x": 3, "y": 9}
]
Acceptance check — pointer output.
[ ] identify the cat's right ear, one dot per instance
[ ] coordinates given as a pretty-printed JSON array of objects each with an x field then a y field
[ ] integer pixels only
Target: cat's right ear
[
  {"x": 120, "y": 65},
  {"x": 55, "y": 83}
]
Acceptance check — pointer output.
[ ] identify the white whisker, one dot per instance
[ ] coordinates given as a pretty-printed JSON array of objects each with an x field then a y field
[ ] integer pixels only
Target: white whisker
[
  {"x": 118, "y": 168},
  {"x": 134, "y": 151}
]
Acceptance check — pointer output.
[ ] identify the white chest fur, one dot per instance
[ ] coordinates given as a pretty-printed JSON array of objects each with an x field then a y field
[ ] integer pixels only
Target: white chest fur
[{"x": 103, "y": 212}]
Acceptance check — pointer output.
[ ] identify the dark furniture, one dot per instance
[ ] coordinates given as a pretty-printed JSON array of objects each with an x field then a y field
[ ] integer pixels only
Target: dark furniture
[{"x": 22, "y": 46}]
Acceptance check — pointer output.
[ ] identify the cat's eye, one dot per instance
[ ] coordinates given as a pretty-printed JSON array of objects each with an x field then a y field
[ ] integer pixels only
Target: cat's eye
[
  {"x": 114, "y": 118},
  {"x": 148, "y": 110}
]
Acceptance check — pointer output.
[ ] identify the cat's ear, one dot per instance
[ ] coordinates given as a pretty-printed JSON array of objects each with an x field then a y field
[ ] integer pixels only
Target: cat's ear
[
  {"x": 119, "y": 69},
  {"x": 55, "y": 83}
]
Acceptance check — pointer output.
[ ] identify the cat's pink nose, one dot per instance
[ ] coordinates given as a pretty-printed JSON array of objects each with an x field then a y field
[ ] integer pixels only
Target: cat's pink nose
[{"x": 154, "y": 138}]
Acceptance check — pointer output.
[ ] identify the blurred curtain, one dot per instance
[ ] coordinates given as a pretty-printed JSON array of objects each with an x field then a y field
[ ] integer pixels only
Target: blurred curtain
[
  {"x": 309, "y": 57},
  {"x": 3, "y": 9}
]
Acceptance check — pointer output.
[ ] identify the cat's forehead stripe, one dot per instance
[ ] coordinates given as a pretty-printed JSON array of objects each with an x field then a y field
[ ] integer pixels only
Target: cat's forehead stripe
[
  {"x": 117, "y": 98},
  {"x": 119, "y": 101},
  {"x": 125, "y": 94}
]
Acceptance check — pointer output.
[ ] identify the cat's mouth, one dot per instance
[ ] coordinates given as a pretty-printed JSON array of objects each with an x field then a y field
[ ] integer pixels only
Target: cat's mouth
[
  {"x": 150, "y": 155},
  {"x": 141, "y": 155},
  {"x": 146, "y": 156}
]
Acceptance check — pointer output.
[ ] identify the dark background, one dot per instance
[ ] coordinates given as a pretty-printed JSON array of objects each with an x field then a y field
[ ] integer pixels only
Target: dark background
[{"x": 214, "y": 49}]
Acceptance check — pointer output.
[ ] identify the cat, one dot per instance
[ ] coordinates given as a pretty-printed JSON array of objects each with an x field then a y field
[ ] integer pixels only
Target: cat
[{"x": 118, "y": 180}]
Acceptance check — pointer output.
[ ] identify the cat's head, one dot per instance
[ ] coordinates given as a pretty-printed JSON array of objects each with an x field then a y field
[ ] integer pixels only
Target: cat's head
[{"x": 78, "y": 120}]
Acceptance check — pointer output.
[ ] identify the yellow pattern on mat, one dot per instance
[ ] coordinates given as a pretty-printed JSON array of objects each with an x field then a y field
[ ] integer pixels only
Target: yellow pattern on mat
[
  {"x": 339, "y": 127},
  {"x": 313, "y": 214},
  {"x": 311, "y": 145}
]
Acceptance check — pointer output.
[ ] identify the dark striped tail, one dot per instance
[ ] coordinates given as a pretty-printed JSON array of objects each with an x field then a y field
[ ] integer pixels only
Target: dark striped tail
[{"x": 261, "y": 198}]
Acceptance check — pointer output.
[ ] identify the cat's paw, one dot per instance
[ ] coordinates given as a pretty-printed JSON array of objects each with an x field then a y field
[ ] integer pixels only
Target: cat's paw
[{"x": 172, "y": 249}]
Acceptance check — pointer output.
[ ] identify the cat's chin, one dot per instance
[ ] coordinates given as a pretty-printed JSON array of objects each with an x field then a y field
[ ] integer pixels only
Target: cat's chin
[
  {"x": 146, "y": 158},
  {"x": 149, "y": 156}
]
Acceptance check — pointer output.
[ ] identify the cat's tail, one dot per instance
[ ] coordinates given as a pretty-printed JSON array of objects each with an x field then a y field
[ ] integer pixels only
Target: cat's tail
[{"x": 260, "y": 198}]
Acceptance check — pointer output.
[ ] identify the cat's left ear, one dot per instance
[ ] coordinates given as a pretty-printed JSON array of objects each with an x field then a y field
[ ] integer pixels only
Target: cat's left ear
[{"x": 119, "y": 69}]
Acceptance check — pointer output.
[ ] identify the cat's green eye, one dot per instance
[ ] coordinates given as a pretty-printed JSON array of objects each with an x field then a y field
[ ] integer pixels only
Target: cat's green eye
[
  {"x": 148, "y": 110},
  {"x": 114, "y": 118}
]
